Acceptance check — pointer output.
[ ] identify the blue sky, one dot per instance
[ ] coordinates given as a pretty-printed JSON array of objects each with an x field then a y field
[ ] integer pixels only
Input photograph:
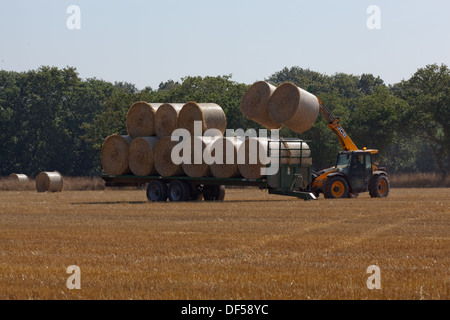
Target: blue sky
[{"x": 148, "y": 42}]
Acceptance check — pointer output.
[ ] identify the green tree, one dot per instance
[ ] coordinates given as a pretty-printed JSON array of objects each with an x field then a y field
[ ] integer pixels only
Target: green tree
[
  {"x": 428, "y": 115},
  {"x": 374, "y": 121}
]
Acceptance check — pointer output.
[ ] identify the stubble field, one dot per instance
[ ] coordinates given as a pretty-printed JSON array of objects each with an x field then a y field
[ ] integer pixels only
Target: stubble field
[{"x": 251, "y": 246}]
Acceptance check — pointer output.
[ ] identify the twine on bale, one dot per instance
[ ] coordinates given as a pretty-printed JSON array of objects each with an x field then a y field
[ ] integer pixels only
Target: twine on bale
[
  {"x": 141, "y": 119},
  {"x": 211, "y": 115},
  {"x": 49, "y": 182},
  {"x": 254, "y": 104},
  {"x": 166, "y": 119},
  {"x": 141, "y": 156},
  {"x": 294, "y": 107},
  {"x": 163, "y": 158},
  {"x": 201, "y": 169},
  {"x": 114, "y": 154},
  {"x": 226, "y": 168}
]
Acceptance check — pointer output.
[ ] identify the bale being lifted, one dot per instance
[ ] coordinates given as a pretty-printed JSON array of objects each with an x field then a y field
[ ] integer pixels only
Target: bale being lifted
[
  {"x": 141, "y": 156},
  {"x": 141, "y": 119},
  {"x": 294, "y": 107},
  {"x": 115, "y": 154},
  {"x": 211, "y": 115},
  {"x": 49, "y": 182},
  {"x": 254, "y": 104},
  {"x": 166, "y": 119}
]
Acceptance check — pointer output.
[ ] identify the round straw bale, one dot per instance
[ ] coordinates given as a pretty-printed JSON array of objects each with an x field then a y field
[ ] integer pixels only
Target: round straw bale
[
  {"x": 254, "y": 104},
  {"x": 294, "y": 107},
  {"x": 141, "y": 119},
  {"x": 49, "y": 182},
  {"x": 211, "y": 115},
  {"x": 114, "y": 154},
  {"x": 141, "y": 156},
  {"x": 249, "y": 161},
  {"x": 166, "y": 119},
  {"x": 225, "y": 169},
  {"x": 291, "y": 151},
  {"x": 201, "y": 169},
  {"x": 163, "y": 158},
  {"x": 287, "y": 152},
  {"x": 19, "y": 178}
]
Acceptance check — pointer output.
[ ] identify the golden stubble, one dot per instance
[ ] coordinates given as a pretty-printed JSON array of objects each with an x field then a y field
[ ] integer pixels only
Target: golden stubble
[{"x": 252, "y": 246}]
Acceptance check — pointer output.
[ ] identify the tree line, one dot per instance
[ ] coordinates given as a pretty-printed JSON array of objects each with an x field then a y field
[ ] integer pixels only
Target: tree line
[{"x": 51, "y": 119}]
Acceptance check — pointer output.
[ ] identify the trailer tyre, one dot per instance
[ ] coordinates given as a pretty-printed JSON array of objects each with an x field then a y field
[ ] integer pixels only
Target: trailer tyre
[
  {"x": 179, "y": 191},
  {"x": 157, "y": 191},
  {"x": 214, "y": 193}
]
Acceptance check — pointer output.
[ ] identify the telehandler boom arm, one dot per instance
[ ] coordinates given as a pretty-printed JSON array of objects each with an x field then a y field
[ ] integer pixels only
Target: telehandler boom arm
[{"x": 333, "y": 123}]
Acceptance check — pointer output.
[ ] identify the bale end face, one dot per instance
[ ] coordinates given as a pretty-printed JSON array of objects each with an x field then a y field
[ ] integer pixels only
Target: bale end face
[
  {"x": 141, "y": 156},
  {"x": 114, "y": 154},
  {"x": 49, "y": 182},
  {"x": 210, "y": 115},
  {"x": 227, "y": 164},
  {"x": 163, "y": 158},
  {"x": 166, "y": 119},
  {"x": 254, "y": 104},
  {"x": 140, "y": 119}
]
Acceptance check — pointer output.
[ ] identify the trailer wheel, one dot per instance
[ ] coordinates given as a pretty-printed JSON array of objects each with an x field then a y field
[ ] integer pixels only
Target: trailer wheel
[
  {"x": 214, "y": 193},
  {"x": 179, "y": 191},
  {"x": 157, "y": 191}
]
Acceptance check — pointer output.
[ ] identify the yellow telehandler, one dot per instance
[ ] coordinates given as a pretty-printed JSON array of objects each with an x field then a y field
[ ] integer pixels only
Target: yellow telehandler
[{"x": 354, "y": 172}]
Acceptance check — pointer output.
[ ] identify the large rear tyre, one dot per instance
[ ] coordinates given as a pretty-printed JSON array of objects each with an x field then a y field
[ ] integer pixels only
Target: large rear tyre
[
  {"x": 379, "y": 186},
  {"x": 213, "y": 193},
  {"x": 335, "y": 188},
  {"x": 157, "y": 191},
  {"x": 179, "y": 191}
]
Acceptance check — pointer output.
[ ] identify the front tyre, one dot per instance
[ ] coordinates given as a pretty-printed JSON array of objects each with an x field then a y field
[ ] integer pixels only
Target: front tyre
[{"x": 335, "y": 188}]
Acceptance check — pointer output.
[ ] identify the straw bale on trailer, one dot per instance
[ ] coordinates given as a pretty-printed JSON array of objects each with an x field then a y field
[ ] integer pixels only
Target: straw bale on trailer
[
  {"x": 141, "y": 119},
  {"x": 226, "y": 169},
  {"x": 141, "y": 156},
  {"x": 166, "y": 119},
  {"x": 254, "y": 155},
  {"x": 211, "y": 115},
  {"x": 163, "y": 158},
  {"x": 201, "y": 169},
  {"x": 114, "y": 154}
]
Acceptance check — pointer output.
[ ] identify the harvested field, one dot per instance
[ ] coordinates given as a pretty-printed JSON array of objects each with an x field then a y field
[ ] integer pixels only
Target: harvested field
[{"x": 252, "y": 246}]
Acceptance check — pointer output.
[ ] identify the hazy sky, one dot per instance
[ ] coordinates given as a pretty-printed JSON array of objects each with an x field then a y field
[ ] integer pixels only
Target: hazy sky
[{"x": 148, "y": 42}]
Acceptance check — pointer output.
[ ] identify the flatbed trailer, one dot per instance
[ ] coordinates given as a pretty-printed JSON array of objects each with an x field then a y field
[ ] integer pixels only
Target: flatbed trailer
[
  {"x": 184, "y": 188},
  {"x": 293, "y": 178}
]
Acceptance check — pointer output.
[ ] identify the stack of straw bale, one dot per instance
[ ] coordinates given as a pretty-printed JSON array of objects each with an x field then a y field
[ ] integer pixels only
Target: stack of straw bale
[{"x": 147, "y": 148}]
